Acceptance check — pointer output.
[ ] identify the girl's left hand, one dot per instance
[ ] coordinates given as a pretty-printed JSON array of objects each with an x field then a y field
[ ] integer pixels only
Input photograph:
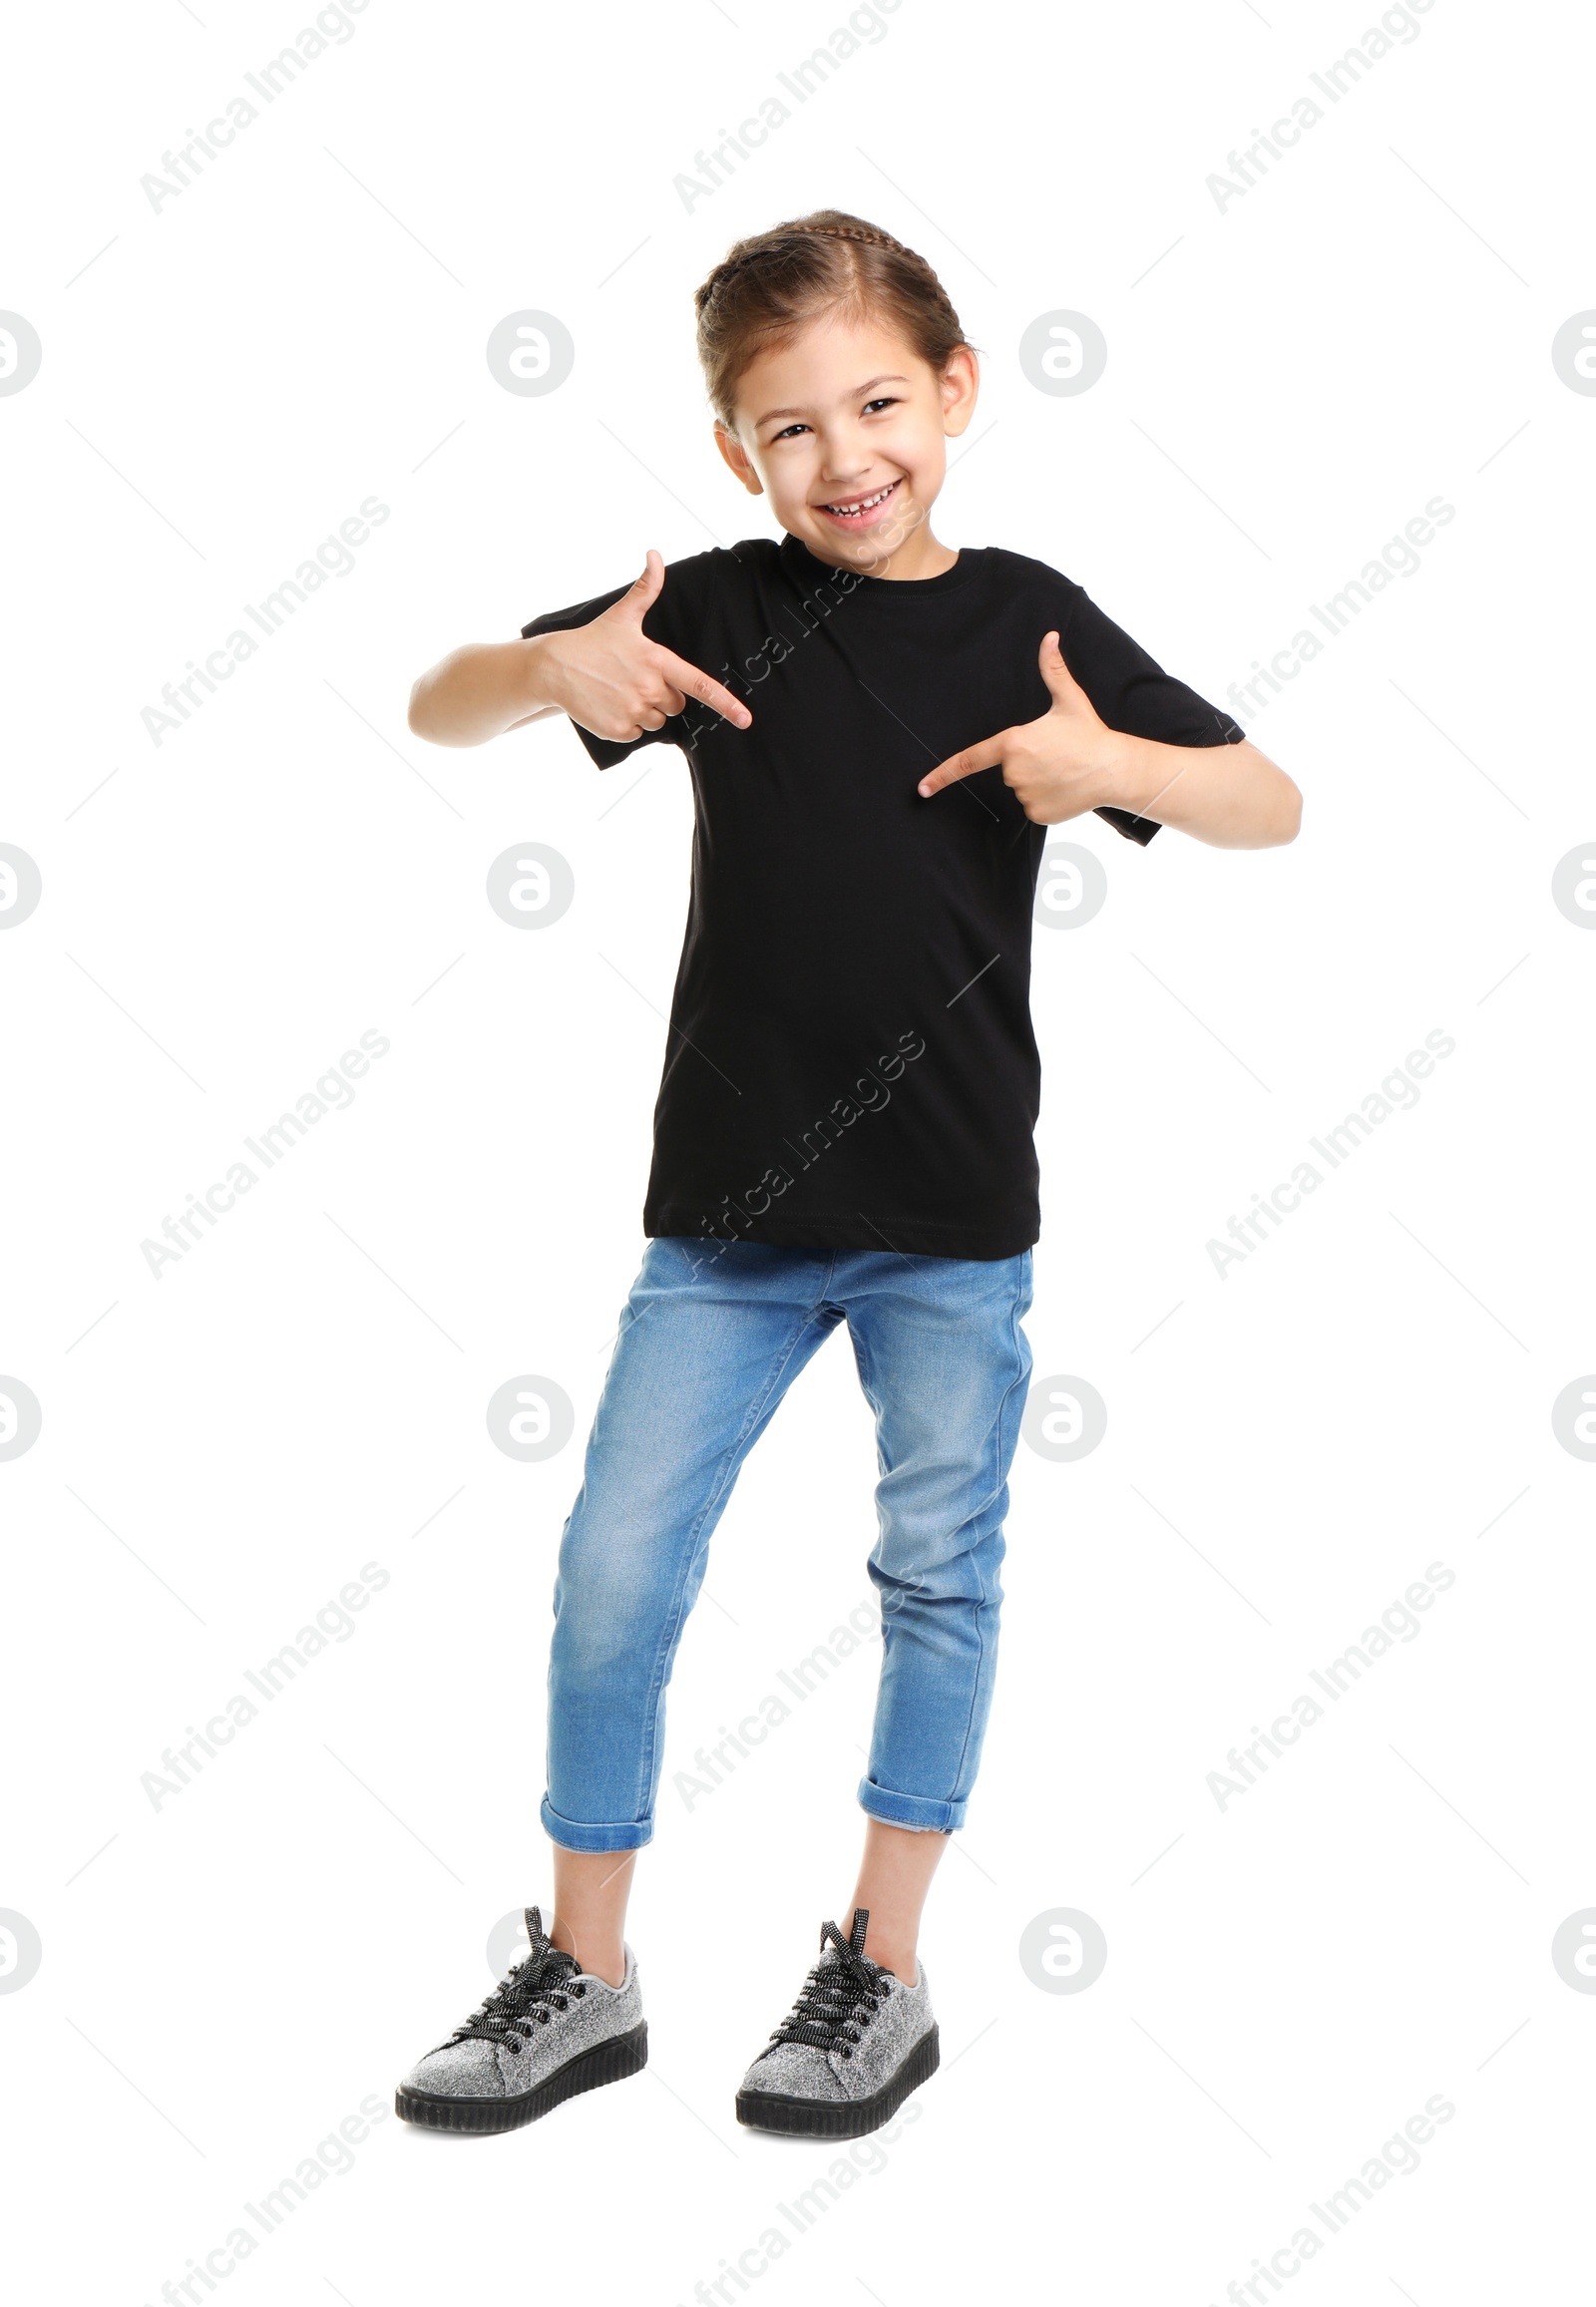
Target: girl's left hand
[{"x": 1059, "y": 766}]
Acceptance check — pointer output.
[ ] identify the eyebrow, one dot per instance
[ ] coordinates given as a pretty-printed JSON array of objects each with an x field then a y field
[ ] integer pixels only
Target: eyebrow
[{"x": 858, "y": 393}]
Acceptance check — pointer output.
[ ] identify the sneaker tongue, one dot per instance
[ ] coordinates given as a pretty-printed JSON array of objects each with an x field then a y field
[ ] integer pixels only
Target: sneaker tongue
[{"x": 542, "y": 1950}]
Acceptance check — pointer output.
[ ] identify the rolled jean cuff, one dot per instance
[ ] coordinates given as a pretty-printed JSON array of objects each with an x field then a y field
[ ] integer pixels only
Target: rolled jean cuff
[
  {"x": 573, "y": 1834},
  {"x": 915, "y": 1812}
]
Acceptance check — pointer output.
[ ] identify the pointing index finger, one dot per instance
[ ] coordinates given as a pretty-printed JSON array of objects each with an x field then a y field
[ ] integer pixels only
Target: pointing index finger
[
  {"x": 984, "y": 756},
  {"x": 708, "y": 691}
]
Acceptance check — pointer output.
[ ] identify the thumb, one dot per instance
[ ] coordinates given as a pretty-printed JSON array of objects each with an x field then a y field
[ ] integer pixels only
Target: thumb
[
  {"x": 646, "y": 592},
  {"x": 1061, "y": 682}
]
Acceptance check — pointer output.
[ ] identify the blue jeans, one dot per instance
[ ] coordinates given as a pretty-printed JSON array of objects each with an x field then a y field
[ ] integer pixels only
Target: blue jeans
[{"x": 713, "y": 1335}]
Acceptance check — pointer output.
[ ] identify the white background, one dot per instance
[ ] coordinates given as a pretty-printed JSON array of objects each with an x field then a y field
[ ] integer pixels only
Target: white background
[{"x": 1289, "y": 1980}]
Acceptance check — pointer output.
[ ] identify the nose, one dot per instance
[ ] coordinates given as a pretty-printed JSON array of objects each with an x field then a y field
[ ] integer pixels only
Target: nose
[
  {"x": 842, "y": 471},
  {"x": 845, "y": 456}
]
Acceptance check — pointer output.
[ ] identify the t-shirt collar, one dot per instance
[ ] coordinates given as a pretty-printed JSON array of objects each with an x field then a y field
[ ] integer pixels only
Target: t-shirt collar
[{"x": 811, "y": 570}]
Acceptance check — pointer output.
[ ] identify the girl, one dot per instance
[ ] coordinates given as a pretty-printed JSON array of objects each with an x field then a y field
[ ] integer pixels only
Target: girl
[{"x": 878, "y": 730}]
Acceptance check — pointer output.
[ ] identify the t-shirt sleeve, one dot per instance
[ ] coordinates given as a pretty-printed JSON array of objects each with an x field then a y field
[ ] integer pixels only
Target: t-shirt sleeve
[
  {"x": 1130, "y": 690},
  {"x": 673, "y": 620}
]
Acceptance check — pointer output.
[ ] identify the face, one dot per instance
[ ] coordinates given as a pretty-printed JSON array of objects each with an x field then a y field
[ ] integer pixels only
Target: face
[{"x": 845, "y": 431}]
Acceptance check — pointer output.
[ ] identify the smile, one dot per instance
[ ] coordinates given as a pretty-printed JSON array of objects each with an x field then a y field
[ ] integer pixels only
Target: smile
[{"x": 856, "y": 510}]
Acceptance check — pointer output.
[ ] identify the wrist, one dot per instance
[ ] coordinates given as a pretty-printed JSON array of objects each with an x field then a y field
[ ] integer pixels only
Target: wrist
[
  {"x": 1116, "y": 779},
  {"x": 540, "y": 675}
]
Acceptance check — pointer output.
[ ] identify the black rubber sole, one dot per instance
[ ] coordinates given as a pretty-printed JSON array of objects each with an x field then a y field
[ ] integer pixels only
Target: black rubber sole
[
  {"x": 610, "y": 2061},
  {"x": 840, "y": 2117}
]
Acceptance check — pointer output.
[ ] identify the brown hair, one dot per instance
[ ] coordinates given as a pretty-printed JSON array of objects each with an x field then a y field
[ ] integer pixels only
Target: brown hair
[{"x": 765, "y": 288}]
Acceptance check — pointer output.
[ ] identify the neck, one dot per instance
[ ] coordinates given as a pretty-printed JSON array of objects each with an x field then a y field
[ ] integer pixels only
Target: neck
[
  {"x": 909, "y": 552},
  {"x": 920, "y": 555}
]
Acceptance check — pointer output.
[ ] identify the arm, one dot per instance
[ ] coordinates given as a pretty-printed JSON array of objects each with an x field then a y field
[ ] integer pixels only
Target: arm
[
  {"x": 1231, "y": 796},
  {"x": 1070, "y": 761},
  {"x": 607, "y": 675},
  {"x": 481, "y": 690}
]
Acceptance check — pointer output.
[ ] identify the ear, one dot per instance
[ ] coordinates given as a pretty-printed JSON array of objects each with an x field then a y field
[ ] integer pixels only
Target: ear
[
  {"x": 961, "y": 382},
  {"x": 736, "y": 457}
]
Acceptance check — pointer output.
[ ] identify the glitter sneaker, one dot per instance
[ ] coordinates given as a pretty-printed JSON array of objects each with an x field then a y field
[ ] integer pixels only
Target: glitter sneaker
[
  {"x": 854, "y": 2045},
  {"x": 548, "y": 2031}
]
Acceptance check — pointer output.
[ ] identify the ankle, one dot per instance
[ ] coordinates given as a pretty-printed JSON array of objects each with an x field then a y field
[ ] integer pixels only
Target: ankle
[
  {"x": 600, "y": 1957},
  {"x": 902, "y": 1960}
]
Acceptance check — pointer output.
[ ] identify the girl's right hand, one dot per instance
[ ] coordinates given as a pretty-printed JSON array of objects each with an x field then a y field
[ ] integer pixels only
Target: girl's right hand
[{"x": 609, "y": 677}]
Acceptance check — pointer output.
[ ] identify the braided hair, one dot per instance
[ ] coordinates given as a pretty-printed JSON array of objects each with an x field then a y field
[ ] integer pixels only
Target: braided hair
[{"x": 766, "y": 287}]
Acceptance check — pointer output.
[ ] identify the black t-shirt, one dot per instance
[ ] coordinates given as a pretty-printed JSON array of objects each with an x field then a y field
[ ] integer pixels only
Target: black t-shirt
[{"x": 850, "y": 1063}]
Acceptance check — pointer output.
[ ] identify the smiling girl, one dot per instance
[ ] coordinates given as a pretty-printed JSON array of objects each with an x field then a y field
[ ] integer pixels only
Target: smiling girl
[{"x": 844, "y": 1127}]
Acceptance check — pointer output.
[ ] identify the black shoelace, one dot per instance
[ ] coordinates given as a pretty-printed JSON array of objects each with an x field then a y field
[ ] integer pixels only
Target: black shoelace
[
  {"x": 838, "y": 1998},
  {"x": 543, "y": 1982}
]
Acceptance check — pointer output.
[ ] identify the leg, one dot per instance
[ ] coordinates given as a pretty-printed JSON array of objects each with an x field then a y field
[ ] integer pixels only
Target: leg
[
  {"x": 590, "y": 1919},
  {"x": 707, "y": 1347},
  {"x": 894, "y": 1876},
  {"x": 945, "y": 1364}
]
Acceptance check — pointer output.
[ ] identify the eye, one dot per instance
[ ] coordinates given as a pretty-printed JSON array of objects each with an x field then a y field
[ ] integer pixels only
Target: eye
[
  {"x": 887, "y": 401},
  {"x": 787, "y": 432}
]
